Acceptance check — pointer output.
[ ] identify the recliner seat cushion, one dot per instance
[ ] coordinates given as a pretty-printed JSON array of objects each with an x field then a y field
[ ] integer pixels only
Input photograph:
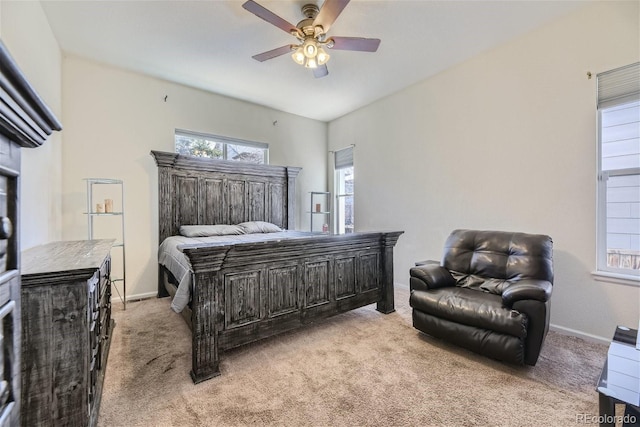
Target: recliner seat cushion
[
  {"x": 470, "y": 307},
  {"x": 471, "y": 281}
]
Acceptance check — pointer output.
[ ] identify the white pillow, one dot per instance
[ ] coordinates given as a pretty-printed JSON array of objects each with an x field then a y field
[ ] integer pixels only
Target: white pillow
[
  {"x": 210, "y": 230},
  {"x": 250, "y": 227}
]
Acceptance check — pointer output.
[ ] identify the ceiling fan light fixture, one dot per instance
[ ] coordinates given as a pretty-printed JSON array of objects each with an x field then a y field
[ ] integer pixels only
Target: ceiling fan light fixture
[
  {"x": 298, "y": 56},
  {"x": 322, "y": 57},
  {"x": 311, "y": 63},
  {"x": 310, "y": 48},
  {"x": 311, "y": 34},
  {"x": 310, "y": 53}
]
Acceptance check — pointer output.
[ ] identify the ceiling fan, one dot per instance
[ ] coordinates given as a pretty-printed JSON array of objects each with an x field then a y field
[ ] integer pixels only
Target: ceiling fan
[{"x": 312, "y": 37}]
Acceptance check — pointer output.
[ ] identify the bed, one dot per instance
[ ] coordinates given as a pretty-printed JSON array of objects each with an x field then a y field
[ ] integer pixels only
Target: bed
[{"x": 243, "y": 291}]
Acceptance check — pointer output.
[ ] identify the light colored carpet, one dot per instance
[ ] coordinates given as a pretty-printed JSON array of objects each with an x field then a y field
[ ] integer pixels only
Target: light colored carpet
[{"x": 359, "y": 368}]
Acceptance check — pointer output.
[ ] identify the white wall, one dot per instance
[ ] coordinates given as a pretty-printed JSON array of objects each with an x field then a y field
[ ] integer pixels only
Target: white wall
[
  {"x": 25, "y": 31},
  {"x": 504, "y": 141},
  {"x": 114, "y": 118}
]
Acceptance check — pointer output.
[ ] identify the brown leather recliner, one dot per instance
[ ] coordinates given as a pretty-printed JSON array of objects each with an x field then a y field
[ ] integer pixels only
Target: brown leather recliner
[{"x": 490, "y": 294}]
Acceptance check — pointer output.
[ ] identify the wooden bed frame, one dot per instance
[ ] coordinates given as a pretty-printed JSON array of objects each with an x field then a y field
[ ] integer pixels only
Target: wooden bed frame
[{"x": 246, "y": 292}]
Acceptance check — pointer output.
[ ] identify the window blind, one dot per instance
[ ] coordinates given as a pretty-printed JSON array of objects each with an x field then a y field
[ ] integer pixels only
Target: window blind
[
  {"x": 344, "y": 158},
  {"x": 618, "y": 101},
  {"x": 619, "y": 86}
]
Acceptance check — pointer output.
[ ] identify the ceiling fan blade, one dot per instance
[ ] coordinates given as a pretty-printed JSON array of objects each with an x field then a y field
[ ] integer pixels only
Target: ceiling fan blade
[
  {"x": 270, "y": 17},
  {"x": 272, "y": 53},
  {"x": 320, "y": 71},
  {"x": 355, "y": 43},
  {"x": 329, "y": 11}
]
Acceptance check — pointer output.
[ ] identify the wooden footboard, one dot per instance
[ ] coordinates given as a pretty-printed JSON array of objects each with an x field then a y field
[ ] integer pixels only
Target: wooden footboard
[{"x": 251, "y": 291}]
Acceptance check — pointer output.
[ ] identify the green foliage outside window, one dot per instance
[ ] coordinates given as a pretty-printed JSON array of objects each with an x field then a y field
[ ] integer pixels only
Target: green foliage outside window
[
  {"x": 202, "y": 147},
  {"x": 198, "y": 147}
]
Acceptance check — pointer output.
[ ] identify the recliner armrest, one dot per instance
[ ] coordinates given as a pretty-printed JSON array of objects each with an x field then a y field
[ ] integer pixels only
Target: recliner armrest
[
  {"x": 430, "y": 276},
  {"x": 528, "y": 289}
]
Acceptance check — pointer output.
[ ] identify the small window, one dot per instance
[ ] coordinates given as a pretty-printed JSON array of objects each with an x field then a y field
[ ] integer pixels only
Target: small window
[
  {"x": 344, "y": 207},
  {"x": 344, "y": 180},
  {"x": 618, "y": 236},
  {"x": 220, "y": 147}
]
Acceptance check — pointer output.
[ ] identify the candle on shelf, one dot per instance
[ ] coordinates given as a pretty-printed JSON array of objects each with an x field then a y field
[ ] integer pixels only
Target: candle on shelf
[
  {"x": 108, "y": 205},
  {"x": 100, "y": 208},
  {"x": 317, "y": 207}
]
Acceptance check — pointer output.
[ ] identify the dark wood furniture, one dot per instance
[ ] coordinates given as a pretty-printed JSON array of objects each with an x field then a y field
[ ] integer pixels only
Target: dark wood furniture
[
  {"x": 66, "y": 319},
  {"x": 25, "y": 121},
  {"x": 245, "y": 292}
]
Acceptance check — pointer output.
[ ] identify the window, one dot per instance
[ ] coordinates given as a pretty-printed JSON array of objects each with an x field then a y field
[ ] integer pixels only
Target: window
[
  {"x": 220, "y": 147},
  {"x": 618, "y": 236},
  {"x": 344, "y": 175}
]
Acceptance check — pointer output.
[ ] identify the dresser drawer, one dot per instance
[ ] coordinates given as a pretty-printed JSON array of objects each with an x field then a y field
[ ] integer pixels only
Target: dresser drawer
[
  {"x": 5, "y": 415},
  {"x": 5, "y": 293},
  {"x": 7, "y": 371},
  {"x": 8, "y": 281},
  {"x": 8, "y": 209},
  {"x": 105, "y": 268},
  {"x": 105, "y": 271},
  {"x": 93, "y": 381},
  {"x": 4, "y": 243}
]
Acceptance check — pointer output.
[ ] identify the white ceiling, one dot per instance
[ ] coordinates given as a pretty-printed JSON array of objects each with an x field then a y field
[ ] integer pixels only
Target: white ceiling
[{"x": 209, "y": 44}]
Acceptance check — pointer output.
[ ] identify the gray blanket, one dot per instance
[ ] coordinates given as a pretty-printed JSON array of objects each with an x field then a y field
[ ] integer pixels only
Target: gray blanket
[{"x": 172, "y": 257}]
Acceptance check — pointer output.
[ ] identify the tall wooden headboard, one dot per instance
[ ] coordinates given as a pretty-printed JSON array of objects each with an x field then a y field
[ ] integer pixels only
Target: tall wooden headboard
[{"x": 201, "y": 191}]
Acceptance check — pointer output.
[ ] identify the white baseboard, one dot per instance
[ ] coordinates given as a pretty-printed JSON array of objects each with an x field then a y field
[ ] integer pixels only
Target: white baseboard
[
  {"x": 585, "y": 336},
  {"x": 136, "y": 297},
  {"x": 555, "y": 328}
]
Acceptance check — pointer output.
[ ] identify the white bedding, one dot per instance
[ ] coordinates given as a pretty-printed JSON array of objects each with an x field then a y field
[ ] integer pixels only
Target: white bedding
[{"x": 171, "y": 256}]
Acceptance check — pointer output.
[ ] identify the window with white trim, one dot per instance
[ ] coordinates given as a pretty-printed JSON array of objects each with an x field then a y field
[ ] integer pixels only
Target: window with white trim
[
  {"x": 220, "y": 147},
  {"x": 344, "y": 179},
  {"x": 618, "y": 234}
]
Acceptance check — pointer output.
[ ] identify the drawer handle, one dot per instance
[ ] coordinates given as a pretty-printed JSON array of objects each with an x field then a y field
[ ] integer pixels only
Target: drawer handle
[{"x": 6, "y": 227}]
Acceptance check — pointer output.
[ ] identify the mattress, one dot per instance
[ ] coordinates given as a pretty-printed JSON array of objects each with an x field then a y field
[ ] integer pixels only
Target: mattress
[{"x": 172, "y": 257}]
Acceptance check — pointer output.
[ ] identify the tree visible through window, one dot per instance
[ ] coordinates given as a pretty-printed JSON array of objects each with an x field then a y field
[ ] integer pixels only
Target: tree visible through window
[{"x": 218, "y": 147}]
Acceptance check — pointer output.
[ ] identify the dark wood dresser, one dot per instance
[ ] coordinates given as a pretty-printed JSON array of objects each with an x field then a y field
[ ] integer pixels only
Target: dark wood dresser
[
  {"x": 25, "y": 121},
  {"x": 66, "y": 331}
]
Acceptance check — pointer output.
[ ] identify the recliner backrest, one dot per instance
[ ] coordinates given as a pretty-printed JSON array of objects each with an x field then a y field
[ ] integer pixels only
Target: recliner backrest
[{"x": 498, "y": 256}]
